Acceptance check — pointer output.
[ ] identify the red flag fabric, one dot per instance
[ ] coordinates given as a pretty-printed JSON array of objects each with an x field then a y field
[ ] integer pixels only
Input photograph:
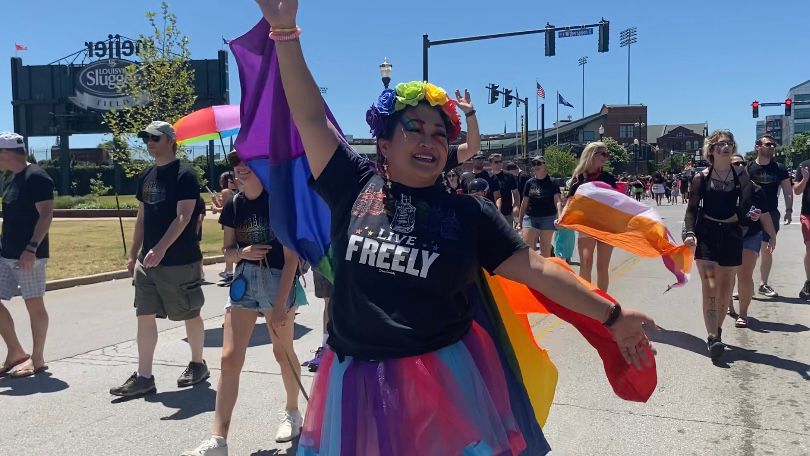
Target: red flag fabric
[{"x": 20, "y": 47}]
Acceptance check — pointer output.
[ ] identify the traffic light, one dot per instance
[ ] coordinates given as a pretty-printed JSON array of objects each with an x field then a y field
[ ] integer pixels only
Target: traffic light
[
  {"x": 755, "y": 109},
  {"x": 604, "y": 35},
  {"x": 788, "y": 106},
  {"x": 550, "y": 40},
  {"x": 493, "y": 93},
  {"x": 507, "y": 98}
]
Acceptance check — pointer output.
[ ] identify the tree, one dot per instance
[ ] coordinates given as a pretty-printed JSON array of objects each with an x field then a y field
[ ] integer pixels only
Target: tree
[
  {"x": 160, "y": 87},
  {"x": 750, "y": 155},
  {"x": 799, "y": 149},
  {"x": 559, "y": 162},
  {"x": 619, "y": 156}
]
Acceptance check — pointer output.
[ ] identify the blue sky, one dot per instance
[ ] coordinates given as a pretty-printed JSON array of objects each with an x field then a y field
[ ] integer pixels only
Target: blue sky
[{"x": 694, "y": 61}]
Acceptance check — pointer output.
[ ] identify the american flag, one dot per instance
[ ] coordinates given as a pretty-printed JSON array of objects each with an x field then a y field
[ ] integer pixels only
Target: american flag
[{"x": 540, "y": 92}]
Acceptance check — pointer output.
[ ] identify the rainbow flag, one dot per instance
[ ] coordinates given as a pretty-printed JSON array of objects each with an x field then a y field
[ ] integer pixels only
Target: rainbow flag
[
  {"x": 271, "y": 145},
  {"x": 614, "y": 218}
]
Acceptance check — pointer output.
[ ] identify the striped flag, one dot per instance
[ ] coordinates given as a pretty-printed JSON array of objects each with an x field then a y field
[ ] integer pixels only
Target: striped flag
[
  {"x": 20, "y": 47},
  {"x": 540, "y": 92},
  {"x": 598, "y": 210}
]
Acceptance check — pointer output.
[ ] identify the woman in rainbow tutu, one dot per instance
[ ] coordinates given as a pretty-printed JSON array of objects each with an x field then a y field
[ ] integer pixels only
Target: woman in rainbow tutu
[{"x": 408, "y": 371}]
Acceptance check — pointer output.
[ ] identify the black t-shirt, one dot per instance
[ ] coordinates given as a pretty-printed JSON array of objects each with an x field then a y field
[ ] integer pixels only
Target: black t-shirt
[
  {"x": 541, "y": 197},
  {"x": 159, "y": 189},
  {"x": 685, "y": 178},
  {"x": 494, "y": 186},
  {"x": 251, "y": 223},
  {"x": 523, "y": 177},
  {"x": 581, "y": 179},
  {"x": 806, "y": 194},
  {"x": 770, "y": 178},
  {"x": 507, "y": 183},
  {"x": 28, "y": 187},
  {"x": 402, "y": 262}
]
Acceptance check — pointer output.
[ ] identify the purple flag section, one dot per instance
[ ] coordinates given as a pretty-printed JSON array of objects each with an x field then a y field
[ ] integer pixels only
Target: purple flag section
[{"x": 271, "y": 145}]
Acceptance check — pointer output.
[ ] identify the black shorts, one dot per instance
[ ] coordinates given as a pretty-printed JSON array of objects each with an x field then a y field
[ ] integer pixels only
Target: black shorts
[
  {"x": 323, "y": 288},
  {"x": 719, "y": 242}
]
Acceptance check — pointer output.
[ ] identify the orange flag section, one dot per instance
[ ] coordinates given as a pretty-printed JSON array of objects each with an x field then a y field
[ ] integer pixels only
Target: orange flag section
[{"x": 537, "y": 371}]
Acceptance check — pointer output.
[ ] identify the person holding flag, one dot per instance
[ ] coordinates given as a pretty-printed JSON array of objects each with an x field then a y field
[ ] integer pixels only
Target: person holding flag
[{"x": 404, "y": 252}]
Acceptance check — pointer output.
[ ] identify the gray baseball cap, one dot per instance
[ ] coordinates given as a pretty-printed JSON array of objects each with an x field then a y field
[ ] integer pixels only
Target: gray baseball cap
[
  {"x": 11, "y": 140},
  {"x": 159, "y": 128}
]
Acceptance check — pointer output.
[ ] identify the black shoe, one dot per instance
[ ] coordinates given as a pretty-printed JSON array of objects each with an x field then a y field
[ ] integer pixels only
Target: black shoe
[
  {"x": 135, "y": 386},
  {"x": 716, "y": 347},
  {"x": 805, "y": 293},
  {"x": 766, "y": 290},
  {"x": 194, "y": 373}
]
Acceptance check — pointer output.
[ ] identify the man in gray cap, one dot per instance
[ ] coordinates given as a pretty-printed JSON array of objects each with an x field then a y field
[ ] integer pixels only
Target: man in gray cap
[
  {"x": 27, "y": 214},
  {"x": 164, "y": 259}
]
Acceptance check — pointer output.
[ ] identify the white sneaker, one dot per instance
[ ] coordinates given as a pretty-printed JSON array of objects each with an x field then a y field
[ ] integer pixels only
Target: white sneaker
[
  {"x": 211, "y": 447},
  {"x": 290, "y": 427}
]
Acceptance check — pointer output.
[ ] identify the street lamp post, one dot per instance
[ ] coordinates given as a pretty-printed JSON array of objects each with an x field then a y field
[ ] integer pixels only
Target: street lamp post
[
  {"x": 640, "y": 126},
  {"x": 582, "y": 62},
  {"x": 626, "y": 38},
  {"x": 601, "y": 132},
  {"x": 385, "y": 72}
]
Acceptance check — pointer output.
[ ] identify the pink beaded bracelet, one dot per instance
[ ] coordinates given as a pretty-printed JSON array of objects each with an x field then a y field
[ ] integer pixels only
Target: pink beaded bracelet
[{"x": 275, "y": 36}]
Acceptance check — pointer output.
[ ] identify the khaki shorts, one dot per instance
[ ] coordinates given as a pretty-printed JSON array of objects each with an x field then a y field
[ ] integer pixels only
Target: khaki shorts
[{"x": 169, "y": 291}]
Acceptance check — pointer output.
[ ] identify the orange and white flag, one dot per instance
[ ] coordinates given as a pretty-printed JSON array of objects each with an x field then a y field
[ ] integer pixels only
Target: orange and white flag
[{"x": 598, "y": 210}]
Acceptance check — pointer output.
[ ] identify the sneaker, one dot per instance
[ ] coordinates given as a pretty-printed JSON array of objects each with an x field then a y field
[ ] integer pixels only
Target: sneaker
[
  {"x": 716, "y": 347},
  {"x": 735, "y": 296},
  {"x": 135, "y": 386},
  {"x": 805, "y": 293},
  {"x": 194, "y": 373},
  {"x": 315, "y": 362},
  {"x": 225, "y": 274},
  {"x": 290, "y": 427},
  {"x": 766, "y": 290},
  {"x": 215, "y": 446}
]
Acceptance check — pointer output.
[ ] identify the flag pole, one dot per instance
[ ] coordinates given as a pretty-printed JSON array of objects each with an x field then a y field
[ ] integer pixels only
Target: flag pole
[
  {"x": 536, "y": 117},
  {"x": 557, "y": 125}
]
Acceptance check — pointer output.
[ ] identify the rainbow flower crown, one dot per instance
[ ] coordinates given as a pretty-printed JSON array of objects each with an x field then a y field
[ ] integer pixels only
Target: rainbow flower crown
[{"x": 411, "y": 94}]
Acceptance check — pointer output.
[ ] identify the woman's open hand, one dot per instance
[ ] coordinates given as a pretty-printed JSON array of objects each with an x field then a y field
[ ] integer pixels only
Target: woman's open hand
[
  {"x": 628, "y": 332},
  {"x": 279, "y": 13}
]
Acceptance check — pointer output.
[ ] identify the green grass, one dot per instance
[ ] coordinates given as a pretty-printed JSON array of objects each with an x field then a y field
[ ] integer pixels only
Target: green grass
[
  {"x": 84, "y": 247},
  {"x": 104, "y": 202}
]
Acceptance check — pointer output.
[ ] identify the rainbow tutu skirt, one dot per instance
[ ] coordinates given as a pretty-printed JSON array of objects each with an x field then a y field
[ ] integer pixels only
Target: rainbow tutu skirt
[{"x": 453, "y": 401}]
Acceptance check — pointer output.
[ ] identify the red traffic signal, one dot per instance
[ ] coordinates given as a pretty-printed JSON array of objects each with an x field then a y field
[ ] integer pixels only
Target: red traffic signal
[
  {"x": 755, "y": 109},
  {"x": 788, "y": 106}
]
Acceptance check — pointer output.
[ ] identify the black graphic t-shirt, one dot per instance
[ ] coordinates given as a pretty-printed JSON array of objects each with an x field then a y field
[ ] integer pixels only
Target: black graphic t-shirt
[
  {"x": 770, "y": 178},
  {"x": 28, "y": 187},
  {"x": 507, "y": 183},
  {"x": 523, "y": 177},
  {"x": 494, "y": 186},
  {"x": 402, "y": 263},
  {"x": 159, "y": 189},
  {"x": 541, "y": 197},
  {"x": 251, "y": 223}
]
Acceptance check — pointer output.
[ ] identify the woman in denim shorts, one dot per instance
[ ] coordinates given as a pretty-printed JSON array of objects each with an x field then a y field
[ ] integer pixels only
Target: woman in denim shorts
[
  {"x": 265, "y": 283},
  {"x": 540, "y": 208}
]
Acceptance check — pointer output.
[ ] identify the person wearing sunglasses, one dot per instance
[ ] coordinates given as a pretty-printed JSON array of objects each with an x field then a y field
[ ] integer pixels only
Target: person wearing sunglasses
[
  {"x": 771, "y": 176},
  {"x": 268, "y": 271},
  {"x": 451, "y": 181},
  {"x": 164, "y": 259},
  {"x": 713, "y": 224},
  {"x": 510, "y": 200},
  {"x": 227, "y": 182},
  {"x": 753, "y": 228},
  {"x": 589, "y": 169},
  {"x": 801, "y": 188},
  {"x": 540, "y": 209}
]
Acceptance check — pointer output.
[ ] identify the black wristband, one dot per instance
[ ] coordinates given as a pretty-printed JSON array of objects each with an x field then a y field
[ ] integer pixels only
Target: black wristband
[
  {"x": 615, "y": 313},
  {"x": 469, "y": 114},
  {"x": 31, "y": 251}
]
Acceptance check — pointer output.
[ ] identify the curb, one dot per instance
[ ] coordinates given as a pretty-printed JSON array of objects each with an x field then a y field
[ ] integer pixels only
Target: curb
[{"x": 107, "y": 276}]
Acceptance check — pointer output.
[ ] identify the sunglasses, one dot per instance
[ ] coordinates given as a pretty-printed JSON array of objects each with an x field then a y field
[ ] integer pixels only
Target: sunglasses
[
  {"x": 769, "y": 144},
  {"x": 738, "y": 164},
  {"x": 497, "y": 162},
  {"x": 538, "y": 163},
  {"x": 147, "y": 138},
  {"x": 602, "y": 153},
  {"x": 722, "y": 143}
]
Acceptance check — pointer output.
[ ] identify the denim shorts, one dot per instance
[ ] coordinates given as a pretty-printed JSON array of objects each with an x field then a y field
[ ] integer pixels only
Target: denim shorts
[
  {"x": 753, "y": 242},
  {"x": 262, "y": 288},
  {"x": 540, "y": 223}
]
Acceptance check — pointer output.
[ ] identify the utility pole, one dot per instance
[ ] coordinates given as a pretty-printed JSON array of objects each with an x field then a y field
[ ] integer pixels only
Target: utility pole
[
  {"x": 627, "y": 37},
  {"x": 582, "y": 62}
]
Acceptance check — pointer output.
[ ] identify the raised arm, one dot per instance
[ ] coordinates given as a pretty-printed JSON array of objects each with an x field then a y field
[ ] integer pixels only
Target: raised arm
[
  {"x": 304, "y": 97},
  {"x": 473, "y": 144}
]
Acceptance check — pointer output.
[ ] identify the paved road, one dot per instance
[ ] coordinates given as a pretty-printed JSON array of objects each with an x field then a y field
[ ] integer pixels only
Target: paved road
[{"x": 758, "y": 402}]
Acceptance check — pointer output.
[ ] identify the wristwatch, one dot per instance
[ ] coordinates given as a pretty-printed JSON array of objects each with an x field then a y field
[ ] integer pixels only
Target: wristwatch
[{"x": 615, "y": 313}]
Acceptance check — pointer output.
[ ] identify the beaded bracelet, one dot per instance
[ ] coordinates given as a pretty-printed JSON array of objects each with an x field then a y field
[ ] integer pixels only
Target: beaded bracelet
[{"x": 277, "y": 36}]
